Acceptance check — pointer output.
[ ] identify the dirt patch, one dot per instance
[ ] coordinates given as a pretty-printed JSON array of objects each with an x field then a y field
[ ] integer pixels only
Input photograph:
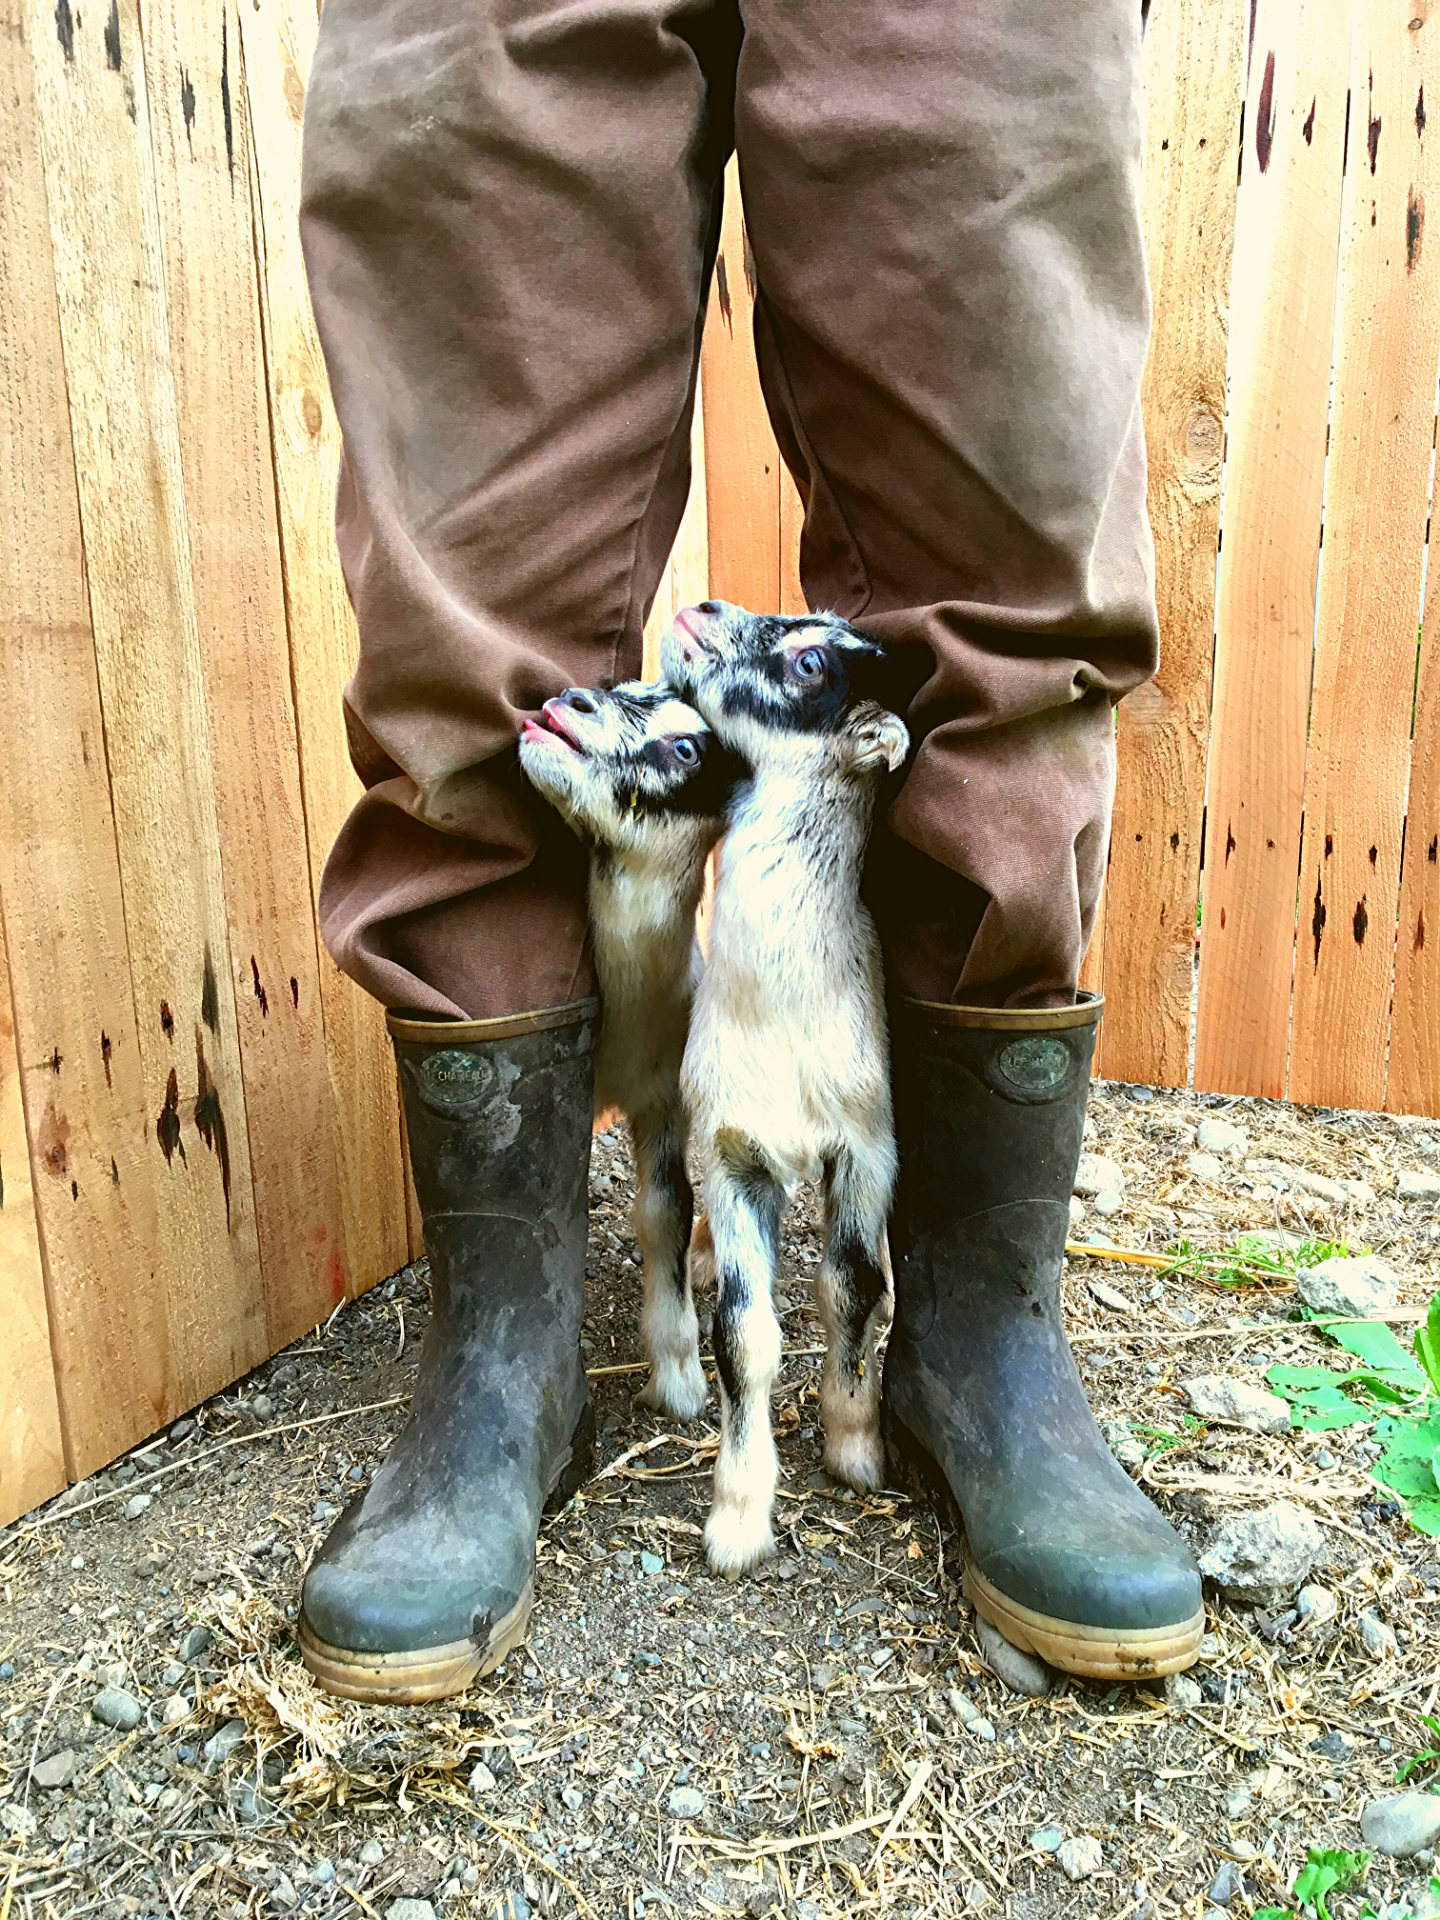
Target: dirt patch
[{"x": 667, "y": 1741}]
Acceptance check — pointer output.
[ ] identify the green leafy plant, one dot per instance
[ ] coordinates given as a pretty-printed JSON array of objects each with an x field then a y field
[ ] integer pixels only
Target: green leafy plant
[
  {"x": 1161, "y": 1439},
  {"x": 1399, "y": 1391},
  {"x": 1427, "y": 1758},
  {"x": 1327, "y": 1870},
  {"x": 1251, "y": 1261}
]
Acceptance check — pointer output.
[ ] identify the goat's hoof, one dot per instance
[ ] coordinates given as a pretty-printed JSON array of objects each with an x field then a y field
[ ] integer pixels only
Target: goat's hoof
[
  {"x": 857, "y": 1459},
  {"x": 738, "y": 1539},
  {"x": 676, "y": 1387}
]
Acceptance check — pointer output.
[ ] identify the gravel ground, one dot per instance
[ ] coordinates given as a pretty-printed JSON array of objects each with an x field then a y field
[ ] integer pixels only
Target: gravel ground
[{"x": 828, "y": 1736}]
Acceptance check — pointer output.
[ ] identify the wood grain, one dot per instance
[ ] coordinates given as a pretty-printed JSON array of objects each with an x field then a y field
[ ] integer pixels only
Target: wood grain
[
  {"x": 201, "y": 137},
  {"x": 110, "y": 280},
  {"x": 792, "y": 520},
  {"x": 1413, "y": 1083},
  {"x": 32, "y": 1458},
  {"x": 1195, "y": 62},
  {"x": 279, "y": 42},
  {"x": 1376, "y": 502},
  {"x": 1282, "y": 302},
  {"x": 742, "y": 459},
  {"x": 91, "y": 1125}
]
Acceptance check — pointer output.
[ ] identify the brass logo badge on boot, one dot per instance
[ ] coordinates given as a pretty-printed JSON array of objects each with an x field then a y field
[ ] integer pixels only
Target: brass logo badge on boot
[
  {"x": 1038, "y": 1064},
  {"x": 452, "y": 1081}
]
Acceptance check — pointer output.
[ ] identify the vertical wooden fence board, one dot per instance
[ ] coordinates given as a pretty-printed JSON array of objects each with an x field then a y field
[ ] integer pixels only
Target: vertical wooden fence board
[
  {"x": 1376, "y": 498},
  {"x": 792, "y": 519},
  {"x": 32, "y": 1459},
  {"x": 742, "y": 476},
  {"x": 90, "y": 85},
  {"x": 279, "y": 40},
  {"x": 92, "y": 1141},
  {"x": 686, "y": 579},
  {"x": 1195, "y": 60},
  {"x": 1282, "y": 321},
  {"x": 201, "y": 135},
  {"x": 1413, "y": 1083}
]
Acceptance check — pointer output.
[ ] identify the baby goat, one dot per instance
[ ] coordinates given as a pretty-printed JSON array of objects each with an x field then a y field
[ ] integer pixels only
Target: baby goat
[
  {"x": 786, "y": 1073},
  {"x": 644, "y": 782}
]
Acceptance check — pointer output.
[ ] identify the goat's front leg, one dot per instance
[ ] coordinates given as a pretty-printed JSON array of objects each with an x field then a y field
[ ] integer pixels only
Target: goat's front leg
[
  {"x": 854, "y": 1301},
  {"x": 663, "y": 1215},
  {"x": 742, "y": 1200}
]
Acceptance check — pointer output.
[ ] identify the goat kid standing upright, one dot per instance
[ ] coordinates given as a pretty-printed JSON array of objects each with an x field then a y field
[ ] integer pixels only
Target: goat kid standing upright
[
  {"x": 787, "y": 1073},
  {"x": 644, "y": 782}
]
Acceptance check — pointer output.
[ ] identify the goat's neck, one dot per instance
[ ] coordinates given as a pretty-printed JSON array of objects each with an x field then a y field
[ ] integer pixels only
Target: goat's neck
[
  {"x": 642, "y": 914},
  {"x": 795, "y": 847}
]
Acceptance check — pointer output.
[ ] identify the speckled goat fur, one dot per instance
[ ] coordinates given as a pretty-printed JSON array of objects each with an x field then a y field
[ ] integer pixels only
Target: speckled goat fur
[
  {"x": 786, "y": 1074},
  {"x": 642, "y": 780}
]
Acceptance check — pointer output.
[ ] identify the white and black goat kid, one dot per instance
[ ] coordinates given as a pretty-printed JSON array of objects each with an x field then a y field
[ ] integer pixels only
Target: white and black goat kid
[
  {"x": 786, "y": 1073},
  {"x": 643, "y": 781}
]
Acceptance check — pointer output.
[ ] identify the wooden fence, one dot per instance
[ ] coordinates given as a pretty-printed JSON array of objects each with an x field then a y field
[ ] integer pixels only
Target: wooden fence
[{"x": 199, "y": 1135}]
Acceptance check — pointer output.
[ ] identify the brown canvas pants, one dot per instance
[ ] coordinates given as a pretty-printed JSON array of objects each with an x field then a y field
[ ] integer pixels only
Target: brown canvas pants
[{"x": 510, "y": 217}]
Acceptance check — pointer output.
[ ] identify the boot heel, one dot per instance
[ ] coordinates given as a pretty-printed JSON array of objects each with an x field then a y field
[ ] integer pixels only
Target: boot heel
[
  {"x": 914, "y": 1467},
  {"x": 578, "y": 1464}
]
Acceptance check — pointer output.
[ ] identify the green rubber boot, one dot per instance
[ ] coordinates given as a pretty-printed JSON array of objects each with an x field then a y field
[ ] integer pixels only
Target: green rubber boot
[
  {"x": 426, "y": 1581},
  {"x": 982, "y": 1402}
]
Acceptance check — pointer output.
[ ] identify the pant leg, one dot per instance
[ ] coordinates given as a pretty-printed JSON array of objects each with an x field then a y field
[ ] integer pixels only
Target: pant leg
[
  {"x": 508, "y": 212},
  {"x": 944, "y": 207}
]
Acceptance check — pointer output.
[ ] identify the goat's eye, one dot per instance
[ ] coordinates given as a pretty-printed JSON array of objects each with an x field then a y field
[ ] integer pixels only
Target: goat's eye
[
  {"x": 810, "y": 665},
  {"x": 685, "y": 750}
]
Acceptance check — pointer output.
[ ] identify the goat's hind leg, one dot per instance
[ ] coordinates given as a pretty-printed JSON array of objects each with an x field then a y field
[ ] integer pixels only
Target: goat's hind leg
[
  {"x": 854, "y": 1300},
  {"x": 664, "y": 1212},
  {"x": 742, "y": 1200}
]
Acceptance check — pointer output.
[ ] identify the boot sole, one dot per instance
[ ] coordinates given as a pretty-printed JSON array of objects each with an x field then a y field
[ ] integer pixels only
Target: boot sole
[
  {"x": 1094, "y": 1653},
  {"x": 408, "y": 1678}
]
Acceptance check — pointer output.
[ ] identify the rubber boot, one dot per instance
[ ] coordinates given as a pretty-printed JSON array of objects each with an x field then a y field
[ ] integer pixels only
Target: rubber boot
[
  {"x": 426, "y": 1581},
  {"x": 982, "y": 1400}
]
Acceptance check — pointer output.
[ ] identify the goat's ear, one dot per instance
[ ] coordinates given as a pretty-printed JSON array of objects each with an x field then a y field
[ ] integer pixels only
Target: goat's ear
[{"x": 875, "y": 740}]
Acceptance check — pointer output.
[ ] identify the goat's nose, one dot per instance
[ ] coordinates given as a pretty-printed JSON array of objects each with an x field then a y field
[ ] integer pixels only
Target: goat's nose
[{"x": 577, "y": 698}]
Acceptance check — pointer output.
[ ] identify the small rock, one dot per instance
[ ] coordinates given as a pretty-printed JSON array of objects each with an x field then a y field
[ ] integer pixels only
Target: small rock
[
  {"x": 1095, "y": 1175},
  {"x": 1236, "y": 1403},
  {"x": 651, "y": 1563},
  {"x": 322, "y": 1872},
  {"x": 262, "y": 1406},
  {"x": 176, "y": 1709},
  {"x": 181, "y": 1430},
  {"x": 1238, "y": 1803},
  {"x": 283, "y": 1893},
  {"x": 482, "y": 1780},
  {"x": 1360, "y": 1191},
  {"x": 222, "y": 1743},
  {"x": 573, "y": 1798},
  {"x": 1046, "y": 1839},
  {"x": 514, "y": 1906},
  {"x": 58, "y": 1770},
  {"x": 251, "y": 1806},
  {"x": 197, "y": 1641},
  {"x": 1363, "y": 1286},
  {"x": 1222, "y": 1136},
  {"x": 822, "y": 1675},
  {"x": 1021, "y": 1672},
  {"x": 113, "y": 1707},
  {"x": 686, "y": 1803},
  {"x": 1182, "y": 1691},
  {"x": 1205, "y": 1166},
  {"x": 1378, "y": 1638},
  {"x": 1225, "y": 1885},
  {"x": 1260, "y": 1558},
  {"x": 1107, "y": 1203},
  {"x": 1080, "y": 1857},
  {"x": 410, "y": 1910},
  {"x": 371, "y": 1854},
  {"x": 1402, "y": 1823},
  {"x": 1414, "y": 1183},
  {"x": 1077, "y": 1210},
  {"x": 137, "y": 1504},
  {"x": 1425, "y": 1902},
  {"x": 1335, "y": 1745},
  {"x": 1316, "y": 1604},
  {"x": 1320, "y": 1184},
  {"x": 1129, "y": 1451},
  {"x": 1110, "y": 1297},
  {"x": 1324, "y": 1459}
]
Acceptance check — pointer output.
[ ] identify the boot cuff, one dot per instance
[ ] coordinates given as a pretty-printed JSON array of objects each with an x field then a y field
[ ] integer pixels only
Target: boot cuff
[{"x": 405, "y": 1023}]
